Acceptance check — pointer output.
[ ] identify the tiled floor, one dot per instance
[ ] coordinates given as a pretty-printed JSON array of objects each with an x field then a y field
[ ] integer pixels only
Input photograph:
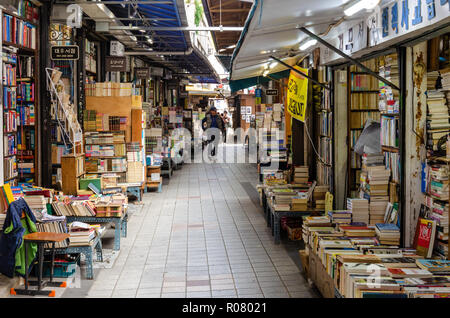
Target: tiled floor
[{"x": 202, "y": 236}]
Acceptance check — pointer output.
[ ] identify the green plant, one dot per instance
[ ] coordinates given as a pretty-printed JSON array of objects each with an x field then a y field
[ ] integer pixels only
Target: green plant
[{"x": 198, "y": 13}]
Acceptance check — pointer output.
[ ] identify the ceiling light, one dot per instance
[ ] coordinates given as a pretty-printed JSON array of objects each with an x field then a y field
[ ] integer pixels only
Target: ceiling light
[
  {"x": 221, "y": 50},
  {"x": 264, "y": 52},
  {"x": 265, "y": 73},
  {"x": 358, "y": 5},
  {"x": 273, "y": 64},
  {"x": 231, "y": 46},
  {"x": 307, "y": 44}
]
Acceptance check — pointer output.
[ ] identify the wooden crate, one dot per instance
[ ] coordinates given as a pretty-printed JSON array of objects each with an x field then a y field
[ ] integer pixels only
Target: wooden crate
[
  {"x": 72, "y": 168},
  {"x": 110, "y": 210}
]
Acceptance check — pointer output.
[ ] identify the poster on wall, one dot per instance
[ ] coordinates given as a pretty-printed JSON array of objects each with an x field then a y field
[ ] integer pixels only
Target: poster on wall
[
  {"x": 249, "y": 110},
  {"x": 297, "y": 94},
  {"x": 247, "y": 118},
  {"x": 243, "y": 117},
  {"x": 243, "y": 109}
]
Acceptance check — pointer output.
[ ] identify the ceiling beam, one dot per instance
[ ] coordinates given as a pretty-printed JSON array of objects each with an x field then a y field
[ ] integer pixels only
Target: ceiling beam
[{"x": 224, "y": 3}]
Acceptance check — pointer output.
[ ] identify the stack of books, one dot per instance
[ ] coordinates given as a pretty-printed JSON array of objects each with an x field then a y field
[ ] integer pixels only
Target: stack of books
[
  {"x": 372, "y": 159},
  {"x": 437, "y": 118},
  {"x": 319, "y": 196},
  {"x": 357, "y": 231},
  {"x": 299, "y": 202},
  {"x": 431, "y": 80},
  {"x": 300, "y": 174},
  {"x": 81, "y": 234},
  {"x": 340, "y": 216},
  {"x": 38, "y": 202},
  {"x": 359, "y": 209},
  {"x": 388, "y": 234},
  {"x": 445, "y": 74},
  {"x": 439, "y": 182},
  {"x": 54, "y": 227},
  {"x": 2, "y": 220},
  {"x": 283, "y": 199}
]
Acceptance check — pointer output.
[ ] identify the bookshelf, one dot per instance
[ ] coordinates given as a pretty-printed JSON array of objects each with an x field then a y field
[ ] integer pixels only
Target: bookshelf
[
  {"x": 61, "y": 35},
  {"x": 19, "y": 94},
  {"x": 324, "y": 120},
  {"x": 362, "y": 104},
  {"x": 105, "y": 152}
]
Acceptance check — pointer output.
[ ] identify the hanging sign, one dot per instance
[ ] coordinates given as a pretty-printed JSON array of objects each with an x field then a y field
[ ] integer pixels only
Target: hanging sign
[
  {"x": 297, "y": 94},
  {"x": 142, "y": 72},
  {"x": 115, "y": 64},
  {"x": 271, "y": 92},
  {"x": 116, "y": 49},
  {"x": 65, "y": 52}
]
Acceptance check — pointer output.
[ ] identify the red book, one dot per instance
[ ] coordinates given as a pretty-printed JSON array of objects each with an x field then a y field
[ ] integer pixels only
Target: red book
[{"x": 424, "y": 237}]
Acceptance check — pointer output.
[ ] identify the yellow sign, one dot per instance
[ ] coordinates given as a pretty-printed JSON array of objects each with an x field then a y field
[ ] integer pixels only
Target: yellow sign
[{"x": 297, "y": 94}]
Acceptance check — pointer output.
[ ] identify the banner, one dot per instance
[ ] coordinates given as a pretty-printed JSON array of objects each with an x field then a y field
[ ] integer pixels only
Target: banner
[{"x": 297, "y": 94}]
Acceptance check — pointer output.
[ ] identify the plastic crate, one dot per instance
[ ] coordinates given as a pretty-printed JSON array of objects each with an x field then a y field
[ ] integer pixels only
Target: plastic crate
[{"x": 61, "y": 268}]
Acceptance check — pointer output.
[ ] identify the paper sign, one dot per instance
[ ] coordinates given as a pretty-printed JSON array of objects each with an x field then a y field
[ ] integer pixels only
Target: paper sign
[{"x": 297, "y": 94}]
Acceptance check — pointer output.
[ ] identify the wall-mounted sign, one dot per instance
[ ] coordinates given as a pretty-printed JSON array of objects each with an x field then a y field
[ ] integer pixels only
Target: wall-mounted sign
[
  {"x": 115, "y": 64},
  {"x": 401, "y": 17},
  {"x": 142, "y": 72},
  {"x": 116, "y": 49},
  {"x": 65, "y": 52},
  {"x": 271, "y": 92}
]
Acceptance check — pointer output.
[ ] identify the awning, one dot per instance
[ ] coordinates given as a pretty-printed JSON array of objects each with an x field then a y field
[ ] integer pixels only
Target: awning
[
  {"x": 252, "y": 81},
  {"x": 272, "y": 29},
  {"x": 171, "y": 15}
]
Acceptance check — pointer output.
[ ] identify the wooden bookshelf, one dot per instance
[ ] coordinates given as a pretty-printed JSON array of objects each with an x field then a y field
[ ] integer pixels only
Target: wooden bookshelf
[
  {"x": 353, "y": 108},
  {"x": 24, "y": 55}
]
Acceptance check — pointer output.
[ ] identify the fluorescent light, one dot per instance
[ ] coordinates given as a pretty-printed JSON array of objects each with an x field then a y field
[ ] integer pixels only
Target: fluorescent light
[
  {"x": 358, "y": 5},
  {"x": 265, "y": 73},
  {"x": 273, "y": 64},
  {"x": 231, "y": 46},
  {"x": 307, "y": 44},
  {"x": 221, "y": 50}
]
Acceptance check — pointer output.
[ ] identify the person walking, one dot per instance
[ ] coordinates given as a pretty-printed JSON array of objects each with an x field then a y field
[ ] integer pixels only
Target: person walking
[
  {"x": 212, "y": 120},
  {"x": 226, "y": 122}
]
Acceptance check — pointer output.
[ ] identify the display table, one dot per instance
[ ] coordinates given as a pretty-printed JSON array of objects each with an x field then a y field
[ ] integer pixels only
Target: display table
[
  {"x": 41, "y": 238},
  {"x": 119, "y": 222},
  {"x": 273, "y": 218},
  {"x": 87, "y": 251},
  {"x": 135, "y": 189}
]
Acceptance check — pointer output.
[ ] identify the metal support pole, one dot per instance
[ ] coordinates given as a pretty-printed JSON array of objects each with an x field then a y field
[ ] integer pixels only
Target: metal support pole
[
  {"x": 300, "y": 72},
  {"x": 350, "y": 59}
]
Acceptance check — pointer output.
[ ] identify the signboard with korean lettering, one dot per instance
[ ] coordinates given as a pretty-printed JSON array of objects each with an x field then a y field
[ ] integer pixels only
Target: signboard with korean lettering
[
  {"x": 404, "y": 16},
  {"x": 142, "y": 72},
  {"x": 297, "y": 94},
  {"x": 115, "y": 64},
  {"x": 271, "y": 92},
  {"x": 65, "y": 52}
]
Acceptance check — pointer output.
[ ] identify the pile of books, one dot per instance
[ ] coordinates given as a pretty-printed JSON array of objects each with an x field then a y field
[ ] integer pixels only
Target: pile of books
[
  {"x": 388, "y": 234},
  {"x": 372, "y": 159},
  {"x": 438, "y": 187},
  {"x": 300, "y": 174},
  {"x": 445, "y": 79},
  {"x": 431, "y": 80},
  {"x": 319, "y": 196},
  {"x": 359, "y": 209},
  {"x": 74, "y": 208},
  {"x": 340, "y": 216},
  {"x": 283, "y": 198},
  {"x": 2, "y": 220},
  {"x": 299, "y": 202},
  {"x": 54, "y": 227},
  {"x": 357, "y": 231},
  {"x": 437, "y": 118},
  {"x": 37, "y": 202},
  {"x": 81, "y": 234}
]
